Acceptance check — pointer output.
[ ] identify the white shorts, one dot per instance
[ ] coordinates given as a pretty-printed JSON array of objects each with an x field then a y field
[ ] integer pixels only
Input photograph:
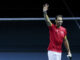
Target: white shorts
[{"x": 54, "y": 55}]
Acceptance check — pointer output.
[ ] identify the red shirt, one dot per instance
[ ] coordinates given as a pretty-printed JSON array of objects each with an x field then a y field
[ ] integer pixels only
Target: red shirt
[{"x": 56, "y": 36}]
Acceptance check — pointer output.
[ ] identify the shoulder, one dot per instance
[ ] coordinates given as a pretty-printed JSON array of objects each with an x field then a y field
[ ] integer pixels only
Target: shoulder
[
  {"x": 64, "y": 29},
  {"x": 51, "y": 25}
]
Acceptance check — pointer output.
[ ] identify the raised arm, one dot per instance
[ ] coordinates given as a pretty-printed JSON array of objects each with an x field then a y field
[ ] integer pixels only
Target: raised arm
[{"x": 47, "y": 20}]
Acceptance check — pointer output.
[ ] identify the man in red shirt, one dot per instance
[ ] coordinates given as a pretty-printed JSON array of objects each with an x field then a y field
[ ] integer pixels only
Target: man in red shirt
[{"x": 57, "y": 36}]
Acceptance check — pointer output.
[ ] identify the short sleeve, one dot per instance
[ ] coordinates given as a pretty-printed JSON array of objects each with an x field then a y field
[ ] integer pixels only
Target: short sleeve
[
  {"x": 50, "y": 27},
  {"x": 65, "y": 32}
]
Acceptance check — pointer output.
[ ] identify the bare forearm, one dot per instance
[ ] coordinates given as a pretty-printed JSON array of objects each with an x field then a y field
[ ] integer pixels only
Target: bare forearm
[
  {"x": 48, "y": 22},
  {"x": 66, "y": 43},
  {"x": 46, "y": 17}
]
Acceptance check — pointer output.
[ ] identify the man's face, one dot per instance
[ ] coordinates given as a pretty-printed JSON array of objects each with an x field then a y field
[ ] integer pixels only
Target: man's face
[{"x": 59, "y": 21}]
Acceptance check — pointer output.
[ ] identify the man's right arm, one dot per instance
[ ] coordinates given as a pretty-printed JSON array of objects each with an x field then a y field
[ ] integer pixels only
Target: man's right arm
[{"x": 47, "y": 20}]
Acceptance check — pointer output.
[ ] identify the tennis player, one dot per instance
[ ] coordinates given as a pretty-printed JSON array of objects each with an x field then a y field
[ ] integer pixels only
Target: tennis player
[{"x": 57, "y": 36}]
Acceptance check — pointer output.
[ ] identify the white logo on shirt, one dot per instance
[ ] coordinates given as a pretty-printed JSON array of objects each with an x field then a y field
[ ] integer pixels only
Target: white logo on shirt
[
  {"x": 62, "y": 32},
  {"x": 56, "y": 30}
]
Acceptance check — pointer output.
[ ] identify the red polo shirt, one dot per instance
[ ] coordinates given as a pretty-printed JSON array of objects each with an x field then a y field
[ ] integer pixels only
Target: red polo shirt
[{"x": 56, "y": 36}]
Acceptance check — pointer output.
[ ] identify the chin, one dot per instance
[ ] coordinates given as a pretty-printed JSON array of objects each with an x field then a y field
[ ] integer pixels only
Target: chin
[{"x": 59, "y": 24}]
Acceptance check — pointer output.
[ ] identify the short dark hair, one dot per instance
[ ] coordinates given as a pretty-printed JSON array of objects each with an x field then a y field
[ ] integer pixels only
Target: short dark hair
[{"x": 58, "y": 16}]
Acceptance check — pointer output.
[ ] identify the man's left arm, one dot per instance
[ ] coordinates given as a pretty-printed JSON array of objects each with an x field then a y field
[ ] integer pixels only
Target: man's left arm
[{"x": 66, "y": 44}]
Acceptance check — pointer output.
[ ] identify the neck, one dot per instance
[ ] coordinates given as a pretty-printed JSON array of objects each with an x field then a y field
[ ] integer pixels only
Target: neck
[{"x": 57, "y": 26}]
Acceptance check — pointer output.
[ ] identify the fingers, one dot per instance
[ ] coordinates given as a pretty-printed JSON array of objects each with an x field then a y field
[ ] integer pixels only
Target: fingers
[
  {"x": 69, "y": 57},
  {"x": 46, "y": 5}
]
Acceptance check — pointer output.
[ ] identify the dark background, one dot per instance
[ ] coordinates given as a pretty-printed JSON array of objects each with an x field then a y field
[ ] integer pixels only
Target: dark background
[
  {"x": 33, "y": 8},
  {"x": 33, "y": 35}
]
